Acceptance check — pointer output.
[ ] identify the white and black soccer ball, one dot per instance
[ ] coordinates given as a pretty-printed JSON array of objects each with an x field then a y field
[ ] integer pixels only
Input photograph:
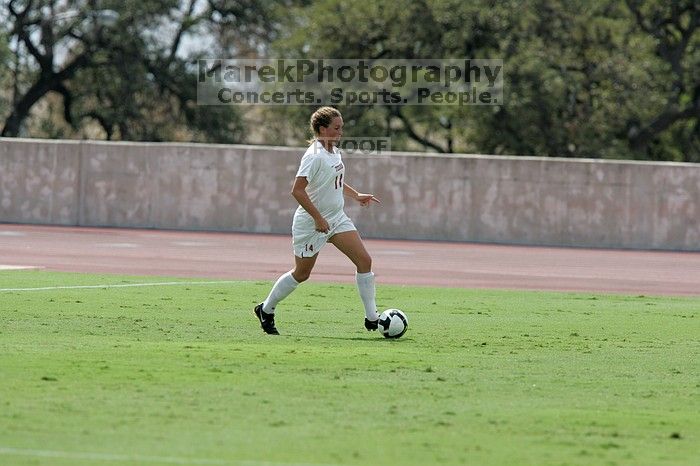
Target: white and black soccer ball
[{"x": 393, "y": 323}]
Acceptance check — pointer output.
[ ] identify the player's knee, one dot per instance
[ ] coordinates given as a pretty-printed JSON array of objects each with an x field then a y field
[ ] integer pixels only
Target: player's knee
[
  {"x": 301, "y": 275},
  {"x": 364, "y": 263}
]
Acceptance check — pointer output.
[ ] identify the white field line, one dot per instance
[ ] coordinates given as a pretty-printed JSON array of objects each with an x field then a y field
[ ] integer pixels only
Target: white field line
[
  {"x": 103, "y": 456},
  {"x": 19, "y": 267},
  {"x": 8, "y": 451},
  {"x": 123, "y": 285}
]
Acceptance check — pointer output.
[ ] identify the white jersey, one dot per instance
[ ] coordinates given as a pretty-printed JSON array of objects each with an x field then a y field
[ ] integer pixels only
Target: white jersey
[{"x": 324, "y": 171}]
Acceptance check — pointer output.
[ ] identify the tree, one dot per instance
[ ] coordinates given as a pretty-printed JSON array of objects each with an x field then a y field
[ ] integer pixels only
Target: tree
[
  {"x": 674, "y": 27},
  {"x": 133, "y": 82},
  {"x": 6, "y": 66},
  {"x": 603, "y": 79},
  {"x": 385, "y": 29}
]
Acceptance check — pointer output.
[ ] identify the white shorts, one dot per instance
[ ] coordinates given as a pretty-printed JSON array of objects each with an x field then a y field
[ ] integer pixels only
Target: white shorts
[{"x": 307, "y": 242}]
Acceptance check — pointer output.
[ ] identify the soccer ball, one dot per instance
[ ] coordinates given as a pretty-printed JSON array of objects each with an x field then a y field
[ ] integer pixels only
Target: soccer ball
[{"x": 393, "y": 323}]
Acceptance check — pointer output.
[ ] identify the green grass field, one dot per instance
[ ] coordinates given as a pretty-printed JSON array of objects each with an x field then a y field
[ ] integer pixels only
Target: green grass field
[{"x": 182, "y": 374}]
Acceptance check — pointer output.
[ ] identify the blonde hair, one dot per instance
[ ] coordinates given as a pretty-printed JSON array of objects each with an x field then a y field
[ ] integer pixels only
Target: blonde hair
[{"x": 322, "y": 117}]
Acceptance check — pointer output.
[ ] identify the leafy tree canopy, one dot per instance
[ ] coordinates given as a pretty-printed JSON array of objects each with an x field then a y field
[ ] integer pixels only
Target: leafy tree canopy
[{"x": 602, "y": 78}]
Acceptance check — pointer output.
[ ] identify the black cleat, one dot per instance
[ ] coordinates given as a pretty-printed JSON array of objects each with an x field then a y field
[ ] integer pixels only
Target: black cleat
[
  {"x": 267, "y": 321},
  {"x": 371, "y": 325}
]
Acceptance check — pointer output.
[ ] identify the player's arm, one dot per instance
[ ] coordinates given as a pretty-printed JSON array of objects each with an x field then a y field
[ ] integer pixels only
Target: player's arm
[
  {"x": 299, "y": 193},
  {"x": 362, "y": 198}
]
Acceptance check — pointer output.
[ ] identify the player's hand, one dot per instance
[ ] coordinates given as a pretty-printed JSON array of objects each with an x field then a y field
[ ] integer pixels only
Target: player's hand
[
  {"x": 366, "y": 199},
  {"x": 322, "y": 225}
]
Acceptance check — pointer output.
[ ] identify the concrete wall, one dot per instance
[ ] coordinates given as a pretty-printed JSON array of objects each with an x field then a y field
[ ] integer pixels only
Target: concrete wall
[{"x": 520, "y": 200}]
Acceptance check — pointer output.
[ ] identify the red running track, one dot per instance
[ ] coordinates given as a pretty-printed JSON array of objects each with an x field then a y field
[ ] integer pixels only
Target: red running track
[{"x": 265, "y": 257}]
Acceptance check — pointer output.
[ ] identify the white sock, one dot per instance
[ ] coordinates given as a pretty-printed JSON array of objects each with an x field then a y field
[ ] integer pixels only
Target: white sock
[
  {"x": 283, "y": 287},
  {"x": 365, "y": 285}
]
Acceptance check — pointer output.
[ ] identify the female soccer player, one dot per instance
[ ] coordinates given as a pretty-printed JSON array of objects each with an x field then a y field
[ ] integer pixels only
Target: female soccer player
[{"x": 319, "y": 188}]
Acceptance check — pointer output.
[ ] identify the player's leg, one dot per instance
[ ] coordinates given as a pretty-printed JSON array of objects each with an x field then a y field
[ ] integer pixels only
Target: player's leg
[
  {"x": 306, "y": 243},
  {"x": 350, "y": 244},
  {"x": 288, "y": 282},
  {"x": 303, "y": 267}
]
